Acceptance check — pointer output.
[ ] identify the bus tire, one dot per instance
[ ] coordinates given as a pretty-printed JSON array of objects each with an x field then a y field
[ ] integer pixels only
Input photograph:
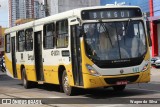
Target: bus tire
[
  {"x": 68, "y": 90},
  {"x": 26, "y": 83},
  {"x": 119, "y": 87}
]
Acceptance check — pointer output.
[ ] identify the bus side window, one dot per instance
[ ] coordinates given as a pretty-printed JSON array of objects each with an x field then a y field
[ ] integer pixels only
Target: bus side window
[
  {"x": 7, "y": 43},
  {"x": 49, "y": 37},
  {"x": 21, "y": 41},
  {"x": 29, "y": 39},
  {"x": 62, "y": 33}
]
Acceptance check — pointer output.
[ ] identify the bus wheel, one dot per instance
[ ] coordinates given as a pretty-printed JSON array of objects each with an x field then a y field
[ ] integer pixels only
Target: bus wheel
[
  {"x": 25, "y": 82},
  {"x": 65, "y": 84},
  {"x": 119, "y": 87}
]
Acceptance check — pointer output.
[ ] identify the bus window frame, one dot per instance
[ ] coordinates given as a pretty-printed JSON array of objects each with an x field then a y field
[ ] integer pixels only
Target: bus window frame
[
  {"x": 28, "y": 39},
  {"x": 110, "y": 61},
  {"x": 6, "y": 43},
  {"x": 18, "y": 48},
  {"x": 57, "y": 33},
  {"x": 44, "y": 35}
]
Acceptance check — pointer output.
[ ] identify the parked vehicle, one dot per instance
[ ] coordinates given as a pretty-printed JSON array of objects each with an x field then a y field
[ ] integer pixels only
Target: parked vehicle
[
  {"x": 155, "y": 61},
  {"x": 2, "y": 64}
]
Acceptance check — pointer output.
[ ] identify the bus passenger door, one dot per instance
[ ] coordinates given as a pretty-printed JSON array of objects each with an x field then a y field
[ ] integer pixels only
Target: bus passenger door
[
  {"x": 13, "y": 53},
  {"x": 76, "y": 56},
  {"x": 38, "y": 55}
]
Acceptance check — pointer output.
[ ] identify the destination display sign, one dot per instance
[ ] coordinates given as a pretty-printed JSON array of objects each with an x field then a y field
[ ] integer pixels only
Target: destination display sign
[{"x": 111, "y": 13}]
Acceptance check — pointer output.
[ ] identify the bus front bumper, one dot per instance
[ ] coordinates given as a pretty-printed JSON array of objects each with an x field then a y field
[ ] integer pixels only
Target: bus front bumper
[{"x": 91, "y": 81}]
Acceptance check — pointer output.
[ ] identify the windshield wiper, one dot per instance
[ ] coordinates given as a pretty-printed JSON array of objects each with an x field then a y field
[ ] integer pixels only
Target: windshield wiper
[
  {"x": 126, "y": 28},
  {"x": 127, "y": 25},
  {"x": 106, "y": 31}
]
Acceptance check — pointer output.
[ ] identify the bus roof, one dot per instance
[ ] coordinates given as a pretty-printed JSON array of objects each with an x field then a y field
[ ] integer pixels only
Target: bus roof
[{"x": 60, "y": 16}]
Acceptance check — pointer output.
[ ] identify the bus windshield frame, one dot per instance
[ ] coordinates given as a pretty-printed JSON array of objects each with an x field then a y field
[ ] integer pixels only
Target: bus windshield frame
[{"x": 126, "y": 42}]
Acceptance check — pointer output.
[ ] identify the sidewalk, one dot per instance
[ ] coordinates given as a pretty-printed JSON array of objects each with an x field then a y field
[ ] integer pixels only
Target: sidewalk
[{"x": 155, "y": 75}]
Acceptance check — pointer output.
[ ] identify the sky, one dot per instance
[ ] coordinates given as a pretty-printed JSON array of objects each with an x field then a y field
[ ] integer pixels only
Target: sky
[{"x": 4, "y": 13}]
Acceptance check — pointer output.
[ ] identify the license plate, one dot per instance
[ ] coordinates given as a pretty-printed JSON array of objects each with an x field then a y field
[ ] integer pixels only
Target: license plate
[{"x": 121, "y": 82}]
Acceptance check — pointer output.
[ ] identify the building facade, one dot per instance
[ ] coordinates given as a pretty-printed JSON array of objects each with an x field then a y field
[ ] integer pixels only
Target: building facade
[
  {"x": 35, "y": 9},
  {"x": 38, "y": 11},
  {"x": 155, "y": 26},
  {"x": 58, "y": 6},
  {"x": 2, "y": 40},
  {"x": 24, "y": 9}
]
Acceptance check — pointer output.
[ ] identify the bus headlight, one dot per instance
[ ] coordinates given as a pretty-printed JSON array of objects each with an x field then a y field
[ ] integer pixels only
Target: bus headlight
[
  {"x": 92, "y": 70},
  {"x": 145, "y": 67}
]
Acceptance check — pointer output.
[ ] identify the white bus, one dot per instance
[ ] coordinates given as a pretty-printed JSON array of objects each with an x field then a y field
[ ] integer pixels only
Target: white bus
[{"x": 104, "y": 46}]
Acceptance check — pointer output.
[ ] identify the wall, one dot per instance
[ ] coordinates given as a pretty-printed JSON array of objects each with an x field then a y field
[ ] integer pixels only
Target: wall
[
  {"x": 57, "y": 6},
  {"x": 158, "y": 32},
  {"x": 2, "y": 39},
  {"x": 53, "y": 6}
]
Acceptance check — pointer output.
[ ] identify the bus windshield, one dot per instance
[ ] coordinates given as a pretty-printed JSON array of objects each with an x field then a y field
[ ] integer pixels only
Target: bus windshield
[{"x": 115, "y": 40}]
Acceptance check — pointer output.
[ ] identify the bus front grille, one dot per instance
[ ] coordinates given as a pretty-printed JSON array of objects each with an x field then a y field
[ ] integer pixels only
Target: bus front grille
[{"x": 129, "y": 79}]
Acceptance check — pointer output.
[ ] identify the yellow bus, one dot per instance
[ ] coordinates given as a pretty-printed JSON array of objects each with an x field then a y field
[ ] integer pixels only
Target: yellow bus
[{"x": 100, "y": 46}]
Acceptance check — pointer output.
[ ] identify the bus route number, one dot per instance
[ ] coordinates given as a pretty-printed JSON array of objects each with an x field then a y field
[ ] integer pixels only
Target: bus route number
[{"x": 136, "y": 69}]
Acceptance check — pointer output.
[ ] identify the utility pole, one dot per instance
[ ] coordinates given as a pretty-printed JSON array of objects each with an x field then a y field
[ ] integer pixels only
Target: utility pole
[{"x": 153, "y": 28}]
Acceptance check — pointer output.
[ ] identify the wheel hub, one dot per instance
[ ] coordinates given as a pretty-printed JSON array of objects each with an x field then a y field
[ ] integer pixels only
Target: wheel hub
[{"x": 66, "y": 83}]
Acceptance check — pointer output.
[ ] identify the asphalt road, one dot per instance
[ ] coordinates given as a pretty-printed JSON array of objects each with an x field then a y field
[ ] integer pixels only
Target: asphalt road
[{"x": 100, "y": 97}]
